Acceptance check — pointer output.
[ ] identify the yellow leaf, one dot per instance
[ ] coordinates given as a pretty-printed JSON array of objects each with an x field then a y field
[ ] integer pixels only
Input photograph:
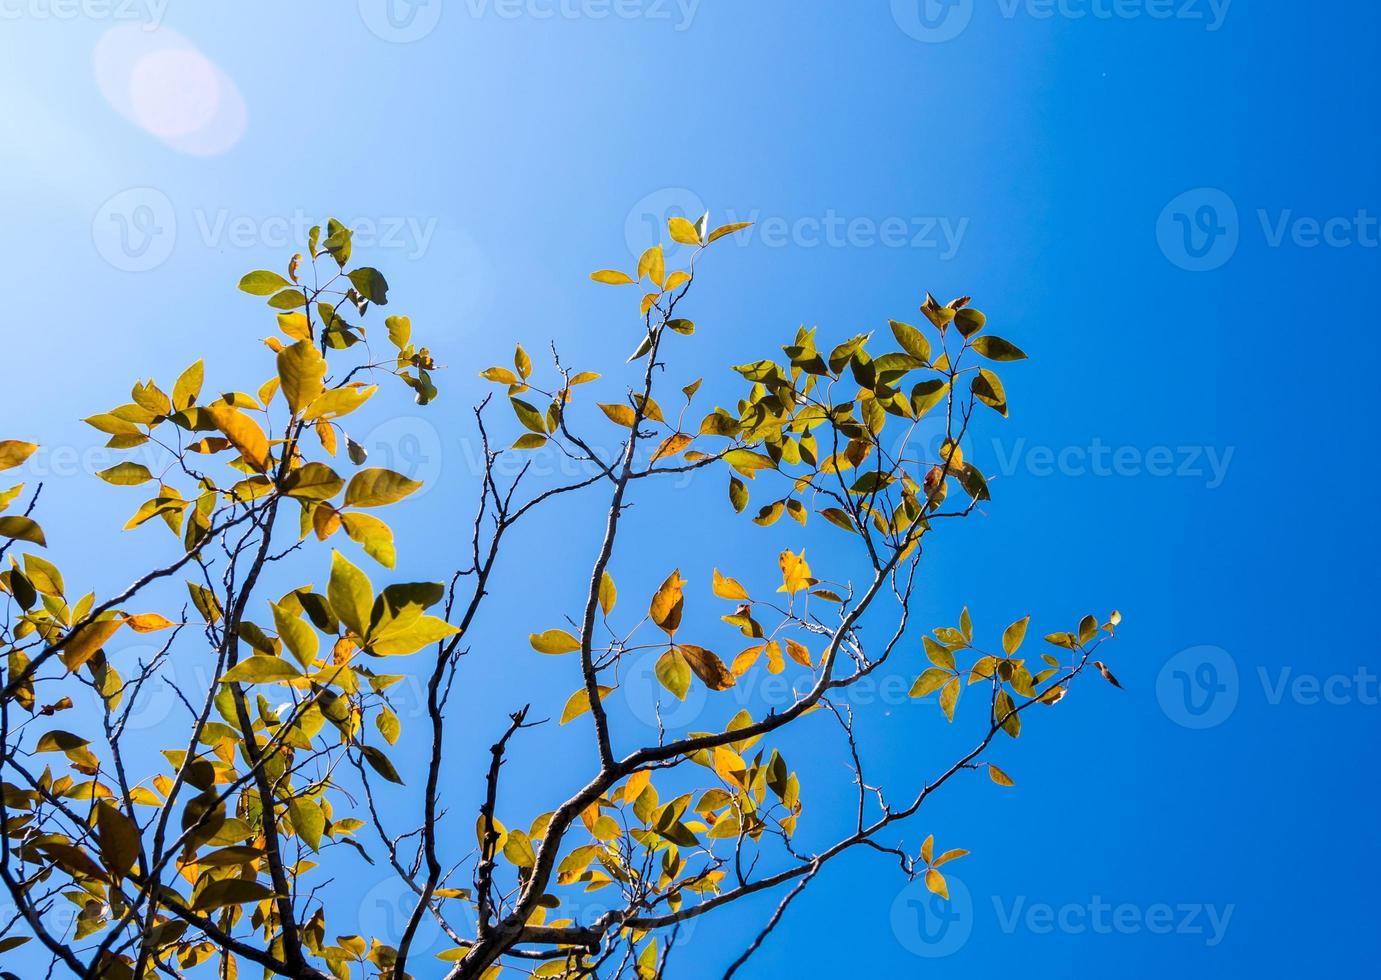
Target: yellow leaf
[
  {"x": 301, "y": 368},
  {"x": 673, "y": 445},
  {"x": 795, "y": 572},
  {"x": 682, "y": 231},
  {"x": 621, "y": 414},
  {"x": 936, "y": 883},
  {"x": 188, "y": 386},
  {"x": 728, "y": 588},
  {"x": 636, "y": 784},
  {"x": 87, "y": 641},
  {"x": 378, "y": 488},
  {"x": 244, "y": 434},
  {"x": 799, "y": 653},
  {"x": 608, "y": 593},
  {"x": 708, "y": 667},
  {"x": 338, "y": 402},
  {"x": 668, "y": 603},
  {"x": 373, "y": 534},
  {"x": 612, "y": 277},
  {"x": 261, "y": 669},
  {"x": 350, "y": 594},
  {"x": 12, "y": 453},
  {"x": 147, "y": 622},
  {"x": 579, "y": 703},
  {"x": 554, "y": 642},
  {"x": 653, "y": 265},
  {"x": 295, "y": 325},
  {"x": 999, "y": 777},
  {"x": 723, "y": 230}
]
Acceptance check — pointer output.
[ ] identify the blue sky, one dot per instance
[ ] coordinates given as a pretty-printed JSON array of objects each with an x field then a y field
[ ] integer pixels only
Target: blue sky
[{"x": 1170, "y": 204}]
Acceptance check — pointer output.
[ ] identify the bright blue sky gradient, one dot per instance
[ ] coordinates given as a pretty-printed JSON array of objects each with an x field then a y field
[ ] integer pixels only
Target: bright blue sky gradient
[{"x": 1187, "y": 444}]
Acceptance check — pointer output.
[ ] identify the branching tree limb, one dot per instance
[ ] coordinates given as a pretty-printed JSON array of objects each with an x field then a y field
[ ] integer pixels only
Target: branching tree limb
[{"x": 222, "y": 848}]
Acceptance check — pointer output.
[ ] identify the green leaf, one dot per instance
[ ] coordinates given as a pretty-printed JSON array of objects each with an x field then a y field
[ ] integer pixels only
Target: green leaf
[
  {"x": 308, "y": 820},
  {"x": 126, "y": 474},
  {"x": 674, "y": 672},
  {"x": 969, "y": 321},
  {"x": 299, "y": 637},
  {"x": 371, "y": 284},
  {"x": 399, "y": 331},
  {"x": 929, "y": 682},
  {"x": 380, "y": 763},
  {"x": 997, "y": 349},
  {"x": 911, "y": 340},
  {"x": 263, "y": 283},
  {"x": 350, "y": 594},
  {"x": 529, "y": 416},
  {"x": 988, "y": 389},
  {"x": 288, "y": 299},
  {"x": 315, "y": 481},
  {"x": 22, "y": 529},
  {"x": 1014, "y": 634},
  {"x": 377, "y": 488},
  {"x": 738, "y": 494}
]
